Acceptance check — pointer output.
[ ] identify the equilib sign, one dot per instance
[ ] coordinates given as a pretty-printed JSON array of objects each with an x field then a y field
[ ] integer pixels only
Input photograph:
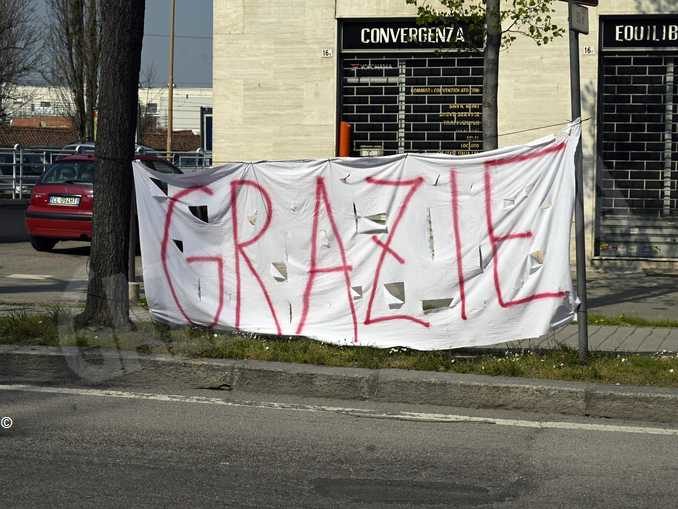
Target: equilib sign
[
  {"x": 640, "y": 32},
  {"x": 405, "y": 35}
]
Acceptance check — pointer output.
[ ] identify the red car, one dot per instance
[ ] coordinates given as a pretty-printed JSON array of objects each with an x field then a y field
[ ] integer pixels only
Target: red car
[{"x": 61, "y": 202}]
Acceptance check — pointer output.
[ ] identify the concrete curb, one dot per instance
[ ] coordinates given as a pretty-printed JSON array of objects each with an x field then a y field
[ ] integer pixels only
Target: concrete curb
[{"x": 50, "y": 365}]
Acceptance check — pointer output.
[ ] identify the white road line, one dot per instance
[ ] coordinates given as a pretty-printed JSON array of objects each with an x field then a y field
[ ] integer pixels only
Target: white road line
[
  {"x": 30, "y": 277},
  {"x": 354, "y": 412}
]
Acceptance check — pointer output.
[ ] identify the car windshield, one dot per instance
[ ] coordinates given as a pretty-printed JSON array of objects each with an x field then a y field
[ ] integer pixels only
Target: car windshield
[{"x": 70, "y": 172}]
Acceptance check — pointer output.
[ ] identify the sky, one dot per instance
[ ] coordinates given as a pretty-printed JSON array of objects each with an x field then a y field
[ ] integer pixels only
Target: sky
[{"x": 192, "y": 43}]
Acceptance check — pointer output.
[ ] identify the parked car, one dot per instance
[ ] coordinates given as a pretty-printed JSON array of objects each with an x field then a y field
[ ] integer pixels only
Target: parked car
[{"x": 61, "y": 202}]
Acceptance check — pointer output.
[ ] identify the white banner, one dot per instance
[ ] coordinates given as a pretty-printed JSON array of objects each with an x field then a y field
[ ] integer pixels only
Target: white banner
[{"x": 422, "y": 251}]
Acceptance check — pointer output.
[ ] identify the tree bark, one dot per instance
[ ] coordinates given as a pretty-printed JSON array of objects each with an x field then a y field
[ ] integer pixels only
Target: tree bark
[
  {"x": 491, "y": 74},
  {"x": 107, "y": 293}
]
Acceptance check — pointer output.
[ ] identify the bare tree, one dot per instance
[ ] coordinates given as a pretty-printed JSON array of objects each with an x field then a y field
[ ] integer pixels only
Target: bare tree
[
  {"x": 18, "y": 48},
  {"x": 499, "y": 26},
  {"x": 72, "y": 49},
  {"x": 122, "y": 34},
  {"x": 148, "y": 118}
]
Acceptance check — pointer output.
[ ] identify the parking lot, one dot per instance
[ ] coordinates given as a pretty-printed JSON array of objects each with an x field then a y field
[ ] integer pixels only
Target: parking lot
[{"x": 30, "y": 278}]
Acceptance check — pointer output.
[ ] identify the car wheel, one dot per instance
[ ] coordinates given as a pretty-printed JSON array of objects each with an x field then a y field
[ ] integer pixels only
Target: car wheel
[{"x": 42, "y": 243}]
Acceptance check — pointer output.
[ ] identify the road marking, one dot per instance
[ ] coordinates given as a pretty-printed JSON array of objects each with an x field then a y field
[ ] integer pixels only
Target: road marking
[
  {"x": 354, "y": 412},
  {"x": 31, "y": 277}
]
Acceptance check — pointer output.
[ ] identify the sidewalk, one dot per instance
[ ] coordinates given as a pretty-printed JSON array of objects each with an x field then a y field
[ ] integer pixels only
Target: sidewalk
[
  {"x": 602, "y": 339},
  {"x": 651, "y": 296}
]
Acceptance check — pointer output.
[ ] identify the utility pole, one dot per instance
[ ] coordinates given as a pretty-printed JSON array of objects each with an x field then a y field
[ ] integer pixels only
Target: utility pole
[
  {"x": 578, "y": 23},
  {"x": 170, "y": 82}
]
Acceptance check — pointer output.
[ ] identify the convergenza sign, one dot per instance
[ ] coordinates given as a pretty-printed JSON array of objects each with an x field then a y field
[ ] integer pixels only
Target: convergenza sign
[
  {"x": 402, "y": 35},
  {"x": 416, "y": 250},
  {"x": 650, "y": 31}
]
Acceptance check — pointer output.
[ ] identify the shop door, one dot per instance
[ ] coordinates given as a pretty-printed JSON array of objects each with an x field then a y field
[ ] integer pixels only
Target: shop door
[{"x": 637, "y": 173}]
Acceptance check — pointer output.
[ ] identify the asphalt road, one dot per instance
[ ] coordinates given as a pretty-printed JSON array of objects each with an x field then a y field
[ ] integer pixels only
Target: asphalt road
[{"x": 120, "y": 449}]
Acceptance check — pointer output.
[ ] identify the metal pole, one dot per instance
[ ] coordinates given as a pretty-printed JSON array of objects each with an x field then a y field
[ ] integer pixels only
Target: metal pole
[
  {"x": 133, "y": 286},
  {"x": 575, "y": 95},
  {"x": 21, "y": 173},
  {"x": 170, "y": 84},
  {"x": 14, "y": 162}
]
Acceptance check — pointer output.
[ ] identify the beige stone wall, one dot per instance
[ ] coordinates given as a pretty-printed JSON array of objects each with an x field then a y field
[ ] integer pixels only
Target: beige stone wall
[{"x": 274, "y": 95}]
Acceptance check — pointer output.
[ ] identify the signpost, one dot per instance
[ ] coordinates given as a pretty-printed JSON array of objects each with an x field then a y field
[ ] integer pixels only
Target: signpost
[{"x": 578, "y": 23}]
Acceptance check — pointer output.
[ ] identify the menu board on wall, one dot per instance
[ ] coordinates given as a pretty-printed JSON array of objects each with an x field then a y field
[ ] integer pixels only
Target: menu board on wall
[
  {"x": 407, "y": 87},
  {"x": 414, "y": 102}
]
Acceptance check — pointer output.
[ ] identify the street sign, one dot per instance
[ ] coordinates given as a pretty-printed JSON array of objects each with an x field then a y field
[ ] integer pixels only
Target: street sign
[{"x": 579, "y": 19}]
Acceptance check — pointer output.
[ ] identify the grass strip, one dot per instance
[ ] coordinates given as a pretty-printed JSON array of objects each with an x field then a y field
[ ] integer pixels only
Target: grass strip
[
  {"x": 629, "y": 321},
  {"x": 55, "y": 329}
]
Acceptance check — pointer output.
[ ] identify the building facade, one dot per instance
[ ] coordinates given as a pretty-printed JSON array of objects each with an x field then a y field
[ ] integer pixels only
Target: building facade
[
  {"x": 45, "y": 101},
  {"x": 286, "y": 73}
]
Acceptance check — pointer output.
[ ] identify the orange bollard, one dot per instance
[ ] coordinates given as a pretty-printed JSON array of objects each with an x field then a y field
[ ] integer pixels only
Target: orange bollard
[{"x": 345, "y": 139}]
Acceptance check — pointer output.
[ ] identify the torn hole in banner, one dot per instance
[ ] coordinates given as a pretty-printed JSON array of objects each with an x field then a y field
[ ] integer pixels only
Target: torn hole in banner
[
  {"x": 434, "y": 305},
  {"x": 357, "y": 292},
  {"x": 179, "y": 244},
  {"x": 355, "y": 217},
  {"x": 509, "y": 203},
  {"x": 536, "y": 260},
  {"x": 324, "y": 239},
  {"x": 161, "y": 185},
  {"x": 253, "y": 217},
  {"x": 279, "y": 271},
  {"x": 484, "y": 256},
  {"x": 199, "y": 211},
  {"x": 528, "y": 189},
  {"x": 289, "y": 305},
  {"x": 375, "y": 223},
  {"x": 566, "y": 311},
  {"x": 429, "y": 233},
  {"x": 546, "y": 204},
  {"x": 470, "y": 274},
  {"x": 394, "y": 294}
]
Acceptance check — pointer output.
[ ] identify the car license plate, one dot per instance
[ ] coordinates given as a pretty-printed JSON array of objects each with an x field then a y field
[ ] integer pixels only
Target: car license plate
[{"x": 65, "y": 201}]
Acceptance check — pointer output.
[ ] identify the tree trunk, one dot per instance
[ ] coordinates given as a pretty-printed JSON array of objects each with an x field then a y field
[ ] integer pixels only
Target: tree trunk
[
  {"x": 491, "y": 74},
  {"x": 107, "y": 292}
]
